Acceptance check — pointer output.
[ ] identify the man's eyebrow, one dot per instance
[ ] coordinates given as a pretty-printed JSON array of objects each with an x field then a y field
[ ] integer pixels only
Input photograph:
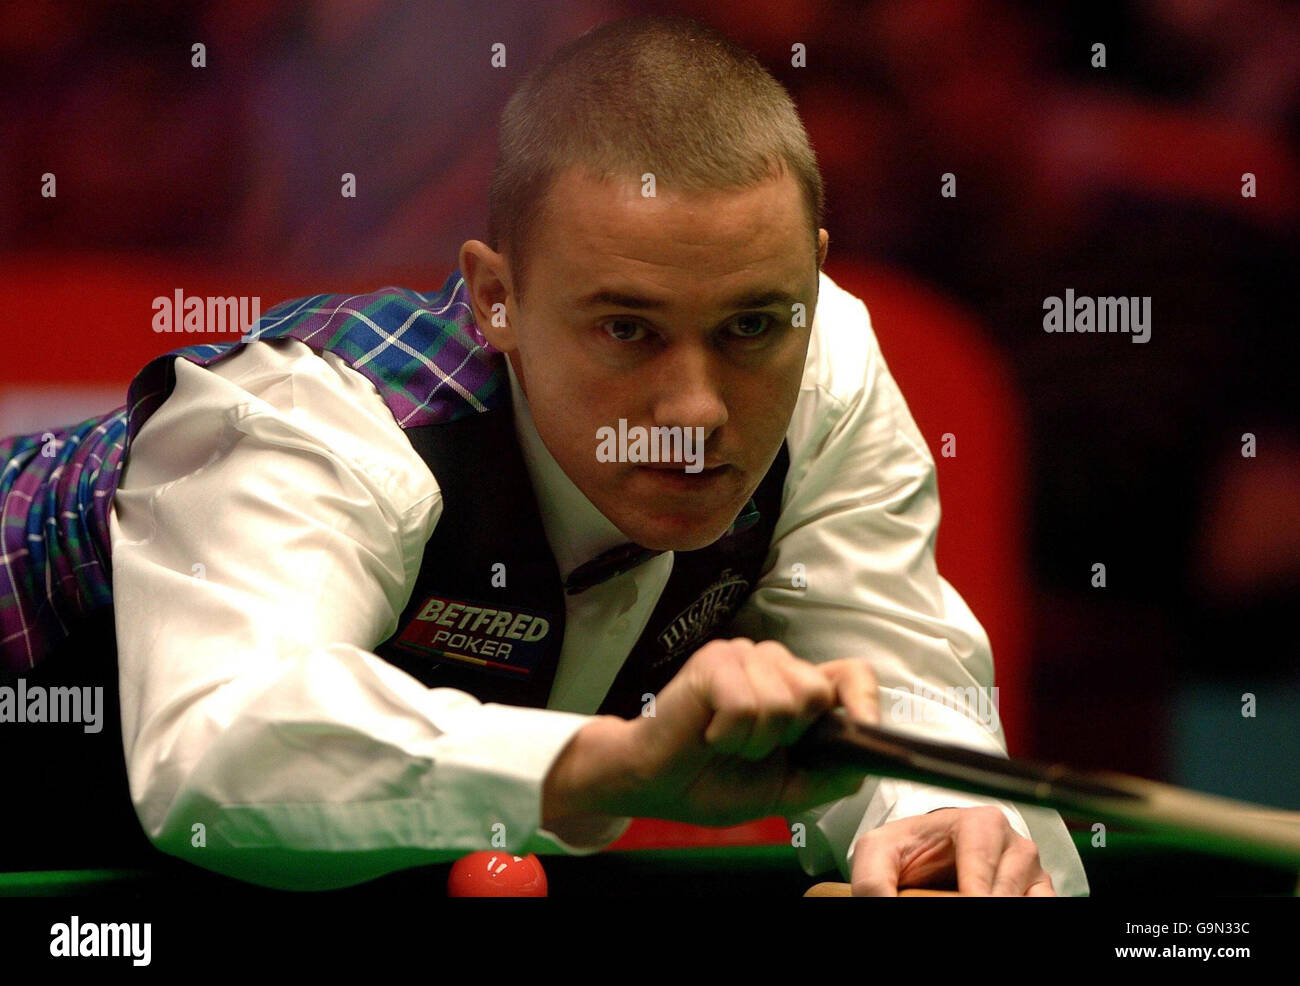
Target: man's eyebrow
[{"x": 607, "y": 297}]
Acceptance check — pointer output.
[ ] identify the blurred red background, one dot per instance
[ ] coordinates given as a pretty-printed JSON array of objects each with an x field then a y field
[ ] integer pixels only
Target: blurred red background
[{"x": 1122, "y": 180}]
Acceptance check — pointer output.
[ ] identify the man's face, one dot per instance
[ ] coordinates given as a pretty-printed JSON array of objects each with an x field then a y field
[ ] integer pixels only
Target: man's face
[{"x": 671, "y": 312}]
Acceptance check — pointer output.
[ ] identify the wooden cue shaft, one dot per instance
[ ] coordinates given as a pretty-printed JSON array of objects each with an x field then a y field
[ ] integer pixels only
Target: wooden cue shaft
[
  {"x": 1175, "y": 815},
  {"x": 830, "y": 889}
]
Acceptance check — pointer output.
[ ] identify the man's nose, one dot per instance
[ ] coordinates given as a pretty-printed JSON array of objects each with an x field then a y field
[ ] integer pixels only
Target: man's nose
[{"x": 689, "y": 390}]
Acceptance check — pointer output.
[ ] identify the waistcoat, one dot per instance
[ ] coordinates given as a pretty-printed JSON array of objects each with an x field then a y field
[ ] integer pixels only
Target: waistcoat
[{"x": 486, "y": 614}]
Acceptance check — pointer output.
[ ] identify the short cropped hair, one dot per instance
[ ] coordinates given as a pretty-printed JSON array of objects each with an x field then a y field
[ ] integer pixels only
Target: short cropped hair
[{"x": 663, "y": 95}]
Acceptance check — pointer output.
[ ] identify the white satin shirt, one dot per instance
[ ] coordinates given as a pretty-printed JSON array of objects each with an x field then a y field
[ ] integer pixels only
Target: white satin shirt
[{"x": 267, "y": 532}]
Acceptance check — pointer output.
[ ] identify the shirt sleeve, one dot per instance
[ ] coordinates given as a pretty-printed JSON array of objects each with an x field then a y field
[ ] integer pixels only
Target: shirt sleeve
[
  {"x": 266, "y": 535},
  {"x": 854, "y": 575}
]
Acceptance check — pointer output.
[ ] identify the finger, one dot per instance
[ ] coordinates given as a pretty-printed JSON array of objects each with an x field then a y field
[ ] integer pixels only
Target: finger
[
  {"x": 876, "y": 863},
  {"x": 1018, "y": 869},
  {"x": 735, "y": 706},
  {"x": 1042, "y": 887},
  {"x": 980, "y": 839},
  {"x": 777, "y": 708},
  {"x": 814, "y": 695},
  {"x": 855, "y": 688}
]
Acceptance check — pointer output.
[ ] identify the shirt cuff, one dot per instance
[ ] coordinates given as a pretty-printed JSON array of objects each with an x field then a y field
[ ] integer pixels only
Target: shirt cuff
[{"x": 518, "y": 748}]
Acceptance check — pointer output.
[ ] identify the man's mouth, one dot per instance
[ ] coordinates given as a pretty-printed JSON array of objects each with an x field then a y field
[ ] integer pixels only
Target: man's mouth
[
  {"x": 674, "y": 476},
  {"x": 687, "y": 467}
]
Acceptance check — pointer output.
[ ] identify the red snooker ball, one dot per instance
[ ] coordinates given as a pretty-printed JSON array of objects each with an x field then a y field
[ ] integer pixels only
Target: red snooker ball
[{"x": 497, "y": 874}]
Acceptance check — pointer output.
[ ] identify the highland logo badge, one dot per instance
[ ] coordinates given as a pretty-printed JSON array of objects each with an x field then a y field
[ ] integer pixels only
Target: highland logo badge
[{"x": 694, "y": 622}]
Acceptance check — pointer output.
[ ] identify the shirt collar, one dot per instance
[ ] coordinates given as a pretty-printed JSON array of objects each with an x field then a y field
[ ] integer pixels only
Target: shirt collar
[{"x": 576, "y": 530}]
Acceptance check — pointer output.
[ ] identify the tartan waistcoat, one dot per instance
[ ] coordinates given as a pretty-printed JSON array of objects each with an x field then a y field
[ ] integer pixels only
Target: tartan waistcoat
[{"x": 486, "y": 613}]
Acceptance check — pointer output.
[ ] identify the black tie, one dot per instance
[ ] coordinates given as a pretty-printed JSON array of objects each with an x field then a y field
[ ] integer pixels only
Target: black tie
[{"x": 628, "y": 556}]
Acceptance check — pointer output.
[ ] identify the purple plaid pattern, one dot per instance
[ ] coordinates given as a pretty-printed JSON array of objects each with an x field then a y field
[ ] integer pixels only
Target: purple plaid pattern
[
  {"x": 423, "y": 352},
  {"x": 54, "y": 561}
]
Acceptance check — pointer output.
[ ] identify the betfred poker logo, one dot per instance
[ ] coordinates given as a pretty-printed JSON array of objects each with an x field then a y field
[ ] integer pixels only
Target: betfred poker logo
[{"x": 499, "y": 641}]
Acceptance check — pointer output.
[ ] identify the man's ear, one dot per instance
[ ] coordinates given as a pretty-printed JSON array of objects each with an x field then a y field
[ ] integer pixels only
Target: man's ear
[
  {"x": 823, "y": 242},
  {"x": 487, "y": 279}
]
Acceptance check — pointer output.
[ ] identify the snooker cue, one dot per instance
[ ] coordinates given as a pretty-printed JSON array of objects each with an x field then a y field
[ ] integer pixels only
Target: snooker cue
[{"x": 1177, "y": 816}]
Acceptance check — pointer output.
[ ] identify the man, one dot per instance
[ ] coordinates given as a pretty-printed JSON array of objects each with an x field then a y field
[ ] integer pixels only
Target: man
[{"x": 383, "y": 595}]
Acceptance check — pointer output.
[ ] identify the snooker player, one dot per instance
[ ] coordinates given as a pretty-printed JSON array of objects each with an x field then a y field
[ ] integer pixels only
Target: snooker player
[{"x": 379, "y": 601}]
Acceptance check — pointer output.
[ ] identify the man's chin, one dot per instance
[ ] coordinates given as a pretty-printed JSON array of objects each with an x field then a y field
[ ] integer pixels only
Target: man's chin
[
  {"x": 652, "y": 513},
  {"x": 667, "y": 533}
]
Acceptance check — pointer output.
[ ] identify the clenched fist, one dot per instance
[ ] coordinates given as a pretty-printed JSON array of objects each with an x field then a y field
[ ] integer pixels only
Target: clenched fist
[{"x": 715, "y": 750}]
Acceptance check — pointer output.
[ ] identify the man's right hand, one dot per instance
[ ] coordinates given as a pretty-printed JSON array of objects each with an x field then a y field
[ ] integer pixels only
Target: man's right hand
[{"x": 715, "y": 750}]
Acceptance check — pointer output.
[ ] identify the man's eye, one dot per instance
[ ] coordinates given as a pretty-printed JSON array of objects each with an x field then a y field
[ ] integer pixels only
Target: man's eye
[
  {"x": 622, "y": 329},
  {"x": 752, "y": 326}
]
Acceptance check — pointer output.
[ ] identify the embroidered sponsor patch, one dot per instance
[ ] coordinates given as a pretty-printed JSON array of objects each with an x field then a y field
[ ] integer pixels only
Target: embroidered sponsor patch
[
  {"x": 507, "y": 642},
  {"x": 693, "y": 624}
]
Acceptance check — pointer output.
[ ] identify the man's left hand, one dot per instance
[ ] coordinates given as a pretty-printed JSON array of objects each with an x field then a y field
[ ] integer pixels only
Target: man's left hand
[{"x": 975, "y": 849}]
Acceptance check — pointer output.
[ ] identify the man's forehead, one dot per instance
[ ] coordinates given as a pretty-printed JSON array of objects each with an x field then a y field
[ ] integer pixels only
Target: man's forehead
[
  {"x": 733, "y": 248},
  {"x": 637, "y": 298},
  {"x": 583, "y": 202}
]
